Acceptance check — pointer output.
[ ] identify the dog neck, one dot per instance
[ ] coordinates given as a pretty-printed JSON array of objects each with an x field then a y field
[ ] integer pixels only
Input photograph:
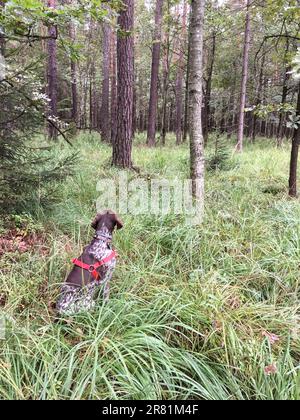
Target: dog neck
[
  {"x": 101, "y": 243},
  {"x": 103, "y": 234}
]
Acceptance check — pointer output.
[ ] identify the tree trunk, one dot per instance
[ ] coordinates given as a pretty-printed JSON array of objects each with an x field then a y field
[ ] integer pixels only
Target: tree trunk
[
  {"x": 179, "y": 79},
  {"x": 134, "y": 113},
  {"x": 140, "y": 102},
  {"x": 239, "y": 145},
  {"x": 52, "y": 74},
  {"x": 280, "y": 129},
  {"x": 207, "y": 98},
  {"x": 178, "y": 89},
  {"x": 91, "y": 102},
  {"x": 186, "y": 102},
  {"x": 165, "y": 82},
  {"x": 232, "y": 104},
  {"x": 122, "y": 145},
  {"x": 92, "y": 98},
  {"x": 165, "y": 96},
  {"x": 2, "y": 39},
  {"x": 74, "y": 112},
  {"x": 104, "y": 113},
  {"x": 294, "y": 154},
  {"x": 195, "y": 99},
  {"x": 154, "y": 74},
  {"x": 113, "y": 89},
  {"x": 259, "y": 96}
]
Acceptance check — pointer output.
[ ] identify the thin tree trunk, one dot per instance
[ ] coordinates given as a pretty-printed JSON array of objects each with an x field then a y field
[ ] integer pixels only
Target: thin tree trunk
[
  {"x": 294, "y": 154},
  {"x": 179, "y": 79},
  {"x": 239, "y": 145},
  {"x": 280, "y": 129},
  {"x": 91, "y": 101},
  {"x": 113, "y": 89},
  {"x": 74, "y": 112},
  {"x": 52, "y": 73},
  {"x": 104, "y": 113},
  {"x": 140, "y": 105},
  {"x": 231, "y": 120},
  {"x": 165, "y": 83},
  {"x": 207, "y": 98},
  {"x": 85, "y": 100},
  {"x": 92, "y": 98},
  {"x": 122, "y": 146},
  {"x": 2, "y": 39},
  {"x": 154, "y": 74},
  {"x": 165, "y": 98},
  {"x": 134, "y": 118},
  {"x": 186, "y": 102},
  {"x": 259, "y": 96},
  {"x": 195, "y": 99},
  {"x": 171, "y": 116}
]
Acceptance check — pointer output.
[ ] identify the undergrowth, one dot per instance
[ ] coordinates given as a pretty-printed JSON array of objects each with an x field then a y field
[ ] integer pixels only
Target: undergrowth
[{"x": 209, "y": 311}]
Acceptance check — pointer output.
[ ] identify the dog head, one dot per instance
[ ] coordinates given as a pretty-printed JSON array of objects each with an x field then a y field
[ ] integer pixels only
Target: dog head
[{"x": 108, "y": 219}]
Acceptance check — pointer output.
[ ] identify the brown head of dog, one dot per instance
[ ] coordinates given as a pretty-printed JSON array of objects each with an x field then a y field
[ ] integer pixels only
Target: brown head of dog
[{"x": 107, "y": 219}]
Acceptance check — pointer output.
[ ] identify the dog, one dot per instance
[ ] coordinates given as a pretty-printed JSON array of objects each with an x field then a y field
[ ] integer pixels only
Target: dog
[{"x": 92, "y": 270}]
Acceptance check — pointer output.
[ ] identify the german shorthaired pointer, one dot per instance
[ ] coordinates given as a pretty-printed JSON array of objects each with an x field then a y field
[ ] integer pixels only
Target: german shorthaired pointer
[{"x": 92, "y": 270}]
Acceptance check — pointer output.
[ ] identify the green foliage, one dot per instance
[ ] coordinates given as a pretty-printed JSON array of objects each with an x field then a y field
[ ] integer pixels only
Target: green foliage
[
  {"x": 294, "y": 120},
  {"x": 220, "y": 158},
  {"x": 296, "y": 66},
  {"x": 27, "y": 167}
]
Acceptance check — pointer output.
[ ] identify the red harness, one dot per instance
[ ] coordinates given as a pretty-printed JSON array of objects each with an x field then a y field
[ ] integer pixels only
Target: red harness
[{"x": 92, "y": 269}]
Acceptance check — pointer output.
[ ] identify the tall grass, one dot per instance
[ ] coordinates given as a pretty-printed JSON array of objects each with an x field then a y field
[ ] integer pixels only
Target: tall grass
[{"x": 190, "y": 308}]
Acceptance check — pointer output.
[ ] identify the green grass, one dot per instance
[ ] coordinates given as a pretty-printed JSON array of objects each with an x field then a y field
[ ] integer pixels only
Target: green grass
[{"x": 189, "y": 305}]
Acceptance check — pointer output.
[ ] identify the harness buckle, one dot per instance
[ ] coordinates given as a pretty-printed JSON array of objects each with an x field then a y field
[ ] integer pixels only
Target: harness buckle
[{"x": 91, "y": 268}]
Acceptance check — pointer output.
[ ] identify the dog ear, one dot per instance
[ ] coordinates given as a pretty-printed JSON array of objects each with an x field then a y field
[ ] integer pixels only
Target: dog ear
[
  {"x": 118, "y": 222},
  {"x": 96, "y": 221}
]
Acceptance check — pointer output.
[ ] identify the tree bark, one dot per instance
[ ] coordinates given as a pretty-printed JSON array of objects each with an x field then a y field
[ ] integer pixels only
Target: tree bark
[
  {"x": 186, "y": 102},
  {"x": 207, "y": 97},
  {"x": 165, "y": 81},
  {"x": 92, "y": 84},
  {"x": 240, "y": 137},
  {"x": 2, "y": 39},
  {"x": 258, "y": 96},
  {"x": 104, "y": 113},
  {"x": 154, "y": 75},
  {"x": 294, "y": 154},
  {"x": 74, "y": 112},
  {"x": 165, "y": 88},
  {"x": 231, "y": 127},
  {"x": 122, "y": 145},
  {"x": 179, "y": 79},
  {"x": 141, "y": 108},
  {"x": 52, "y": 73},
  {"x": 280, "y": 130},
  {"x": 113, "y": 89},
  {"x": 195, "y": 99}
]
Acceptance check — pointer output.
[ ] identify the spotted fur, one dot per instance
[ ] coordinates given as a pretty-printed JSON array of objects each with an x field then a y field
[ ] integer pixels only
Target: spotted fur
[{"x": 80, "y": 291}]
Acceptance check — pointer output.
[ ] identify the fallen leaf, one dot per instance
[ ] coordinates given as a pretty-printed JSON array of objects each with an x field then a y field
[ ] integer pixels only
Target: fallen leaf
[
  {"x": 271, "y": 369},
  {"x": 271, "y": 337},
  {"x": 217, "y": 325}
]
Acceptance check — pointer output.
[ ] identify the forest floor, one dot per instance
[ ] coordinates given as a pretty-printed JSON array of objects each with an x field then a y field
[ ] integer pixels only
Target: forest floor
[{"x": 209, "y": 311}]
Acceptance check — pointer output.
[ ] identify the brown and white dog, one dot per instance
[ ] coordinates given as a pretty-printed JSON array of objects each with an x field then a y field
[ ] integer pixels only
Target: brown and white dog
[{"x": 92, "y": 270}]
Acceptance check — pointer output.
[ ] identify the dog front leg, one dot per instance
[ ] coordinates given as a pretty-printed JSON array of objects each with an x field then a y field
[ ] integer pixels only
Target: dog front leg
[{"x": 106, "y": 291}]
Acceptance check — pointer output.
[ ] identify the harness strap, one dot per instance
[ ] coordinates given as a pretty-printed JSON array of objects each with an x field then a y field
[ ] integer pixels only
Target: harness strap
[{"x": 92, "y": 269}]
